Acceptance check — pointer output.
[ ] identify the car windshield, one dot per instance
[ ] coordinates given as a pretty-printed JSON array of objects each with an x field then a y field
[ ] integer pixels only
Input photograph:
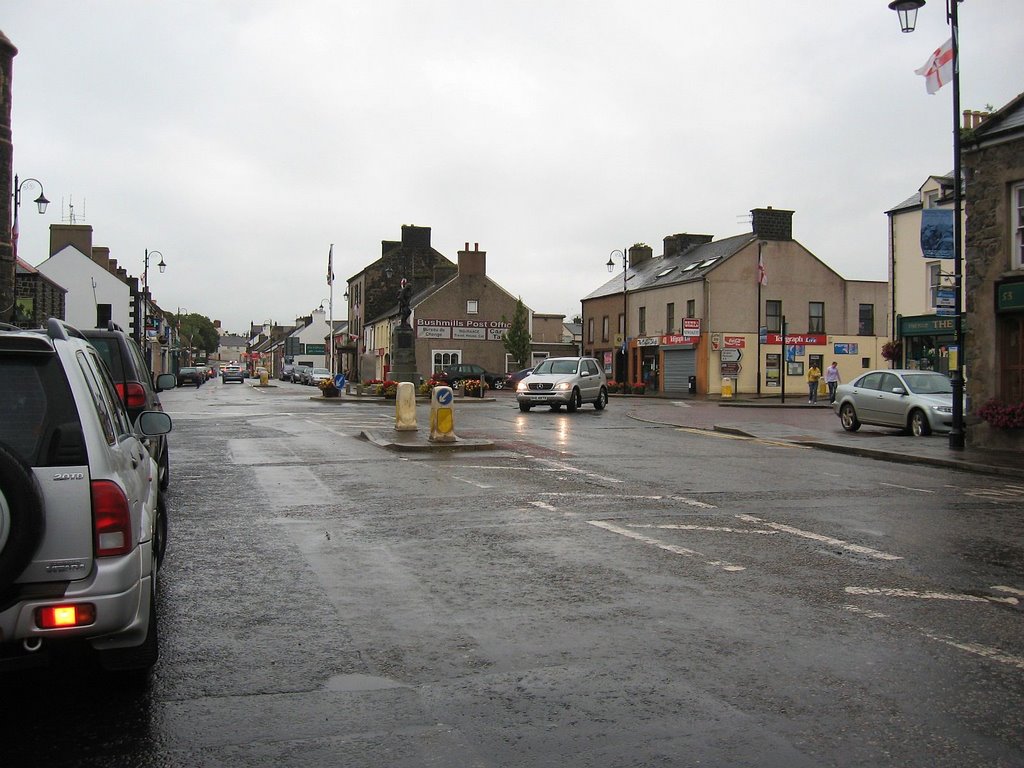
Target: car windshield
[
  {"x": 928, "y": 383},
  {"x": 557, "y": 366}
]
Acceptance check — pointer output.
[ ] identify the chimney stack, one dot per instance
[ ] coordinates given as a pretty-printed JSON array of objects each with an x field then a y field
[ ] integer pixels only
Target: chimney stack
[{"x": 772, "y": 223}]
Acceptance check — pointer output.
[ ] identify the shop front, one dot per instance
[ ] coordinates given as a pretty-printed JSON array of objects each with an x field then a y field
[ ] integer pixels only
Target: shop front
[{"x": 928, "y": 342}]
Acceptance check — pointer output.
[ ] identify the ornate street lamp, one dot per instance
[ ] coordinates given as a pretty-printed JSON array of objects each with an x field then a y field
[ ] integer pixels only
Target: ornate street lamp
[
  {"x": 610, "y": 264},
  {"x": 41, "y": 203},
  {"x": 907, "y": 10},
  {"x": 145, "y": 269}
]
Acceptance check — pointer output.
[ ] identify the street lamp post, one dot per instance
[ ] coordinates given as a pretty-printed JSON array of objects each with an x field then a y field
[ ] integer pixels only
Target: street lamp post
[
  {"x": 140, "y": 322},
  {"x": 907, "y": 10},
  {"x": 8, "y": 280},
  {"x": 610, "y": 264}
]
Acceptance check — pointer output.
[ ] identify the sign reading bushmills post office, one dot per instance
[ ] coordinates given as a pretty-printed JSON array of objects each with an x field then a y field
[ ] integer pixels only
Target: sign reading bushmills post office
[{"x": 465, "y": 330}]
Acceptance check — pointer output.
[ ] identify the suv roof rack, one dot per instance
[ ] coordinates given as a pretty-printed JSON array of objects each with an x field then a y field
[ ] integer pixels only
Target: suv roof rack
[{"x": 112, "y": 326}]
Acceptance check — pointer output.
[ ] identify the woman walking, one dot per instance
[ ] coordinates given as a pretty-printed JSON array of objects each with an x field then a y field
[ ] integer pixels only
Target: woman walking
[{"x": 832, "y": 380}]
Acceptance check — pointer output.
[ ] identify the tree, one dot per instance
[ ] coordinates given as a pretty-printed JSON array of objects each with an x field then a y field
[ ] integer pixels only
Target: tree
[
  {"x": 517, "y": 337},
  {"x": 197, "y": 332}
]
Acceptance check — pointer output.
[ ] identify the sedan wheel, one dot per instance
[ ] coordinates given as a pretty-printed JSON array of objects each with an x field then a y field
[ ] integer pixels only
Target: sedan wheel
[
  {"x": 848, "y": 416},
  {"x": 498, "y": 384},
  {"x": 919, "y": 425}
]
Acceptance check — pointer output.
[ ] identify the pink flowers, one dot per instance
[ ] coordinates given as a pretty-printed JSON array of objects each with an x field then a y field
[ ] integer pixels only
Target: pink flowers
[{"x": 1001, "y": 415}]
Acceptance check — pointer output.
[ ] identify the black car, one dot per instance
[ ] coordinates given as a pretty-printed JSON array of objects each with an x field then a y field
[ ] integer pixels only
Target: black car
[
  {"x": 286, "y": 372},
  {"x": 191, "y": 376},
  {"x": 134, "y": 382},
  {"x": 459, "y": 373}
]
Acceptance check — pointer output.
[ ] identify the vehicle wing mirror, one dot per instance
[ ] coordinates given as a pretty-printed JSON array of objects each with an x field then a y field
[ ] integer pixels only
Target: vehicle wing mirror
[
  {"x": 899, "y": 391},
  {"x": 166, "y": 381},
  {"x": 152, "y": 423}
]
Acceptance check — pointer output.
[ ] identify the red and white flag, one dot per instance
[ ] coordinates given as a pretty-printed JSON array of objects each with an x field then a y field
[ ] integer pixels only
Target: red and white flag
[
  {"x": 938, "y": 70},
  {"x": 330, "y": 265},
  {"x": 762, "y": 275}
]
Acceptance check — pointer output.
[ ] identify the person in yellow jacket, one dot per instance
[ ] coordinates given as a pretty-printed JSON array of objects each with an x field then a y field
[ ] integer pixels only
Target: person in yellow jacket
[{"x": 813, "y": 374}]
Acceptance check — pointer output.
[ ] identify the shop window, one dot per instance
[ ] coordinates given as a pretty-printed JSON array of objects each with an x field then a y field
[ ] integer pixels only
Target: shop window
[
  {"x": 1017, "y": 217},
  {"x": 773, "y": 316},
  {"x": 642, "y": 324},
  {"x": 815, "y": 317},
  {"x": 866, "y": 320},
  {"x": 670, "y": 317},
  {"x": 604, "y": 328}
]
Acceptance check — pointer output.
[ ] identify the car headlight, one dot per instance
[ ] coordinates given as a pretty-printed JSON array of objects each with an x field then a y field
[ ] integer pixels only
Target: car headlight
[
  {"x": 563, "y": 385},
  {"x": 943, "y": 408},
  {"x": 521, "y": 386}
]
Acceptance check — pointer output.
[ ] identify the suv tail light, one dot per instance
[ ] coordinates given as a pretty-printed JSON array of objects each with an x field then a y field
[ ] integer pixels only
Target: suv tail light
[
  {"x": 71, "y": 615},
  {"x": 132, "y": 394},
  {"x": 111, "y": 519}
]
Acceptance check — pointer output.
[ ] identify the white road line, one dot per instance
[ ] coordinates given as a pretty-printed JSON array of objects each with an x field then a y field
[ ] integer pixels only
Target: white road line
[
  {"x": 985, "y": 651},
  {"x": 679, "y": 404},
  {"x": 865, "y": 612},
  {"x": 908, "y": 488},
  {"x": 824, "y": 539},
  {"x": 1011, "y": 590},
  {"x": 543, "y": 505},
  {"x": 676, "y": 550},
  {"x": 680, "y": 527},
  {"x": 630, "y": 497},
  {"x": 471, "y": 482},
  {"x": 891, "y": 592}
]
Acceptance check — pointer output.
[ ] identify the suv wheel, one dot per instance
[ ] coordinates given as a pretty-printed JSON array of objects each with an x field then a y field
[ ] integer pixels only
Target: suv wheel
[
  {"x": 574, "y": 401},
  {"x": 21, "y": 516},
  {"x": 602, "y": 400},
  {"x": 136, "y": 661}
]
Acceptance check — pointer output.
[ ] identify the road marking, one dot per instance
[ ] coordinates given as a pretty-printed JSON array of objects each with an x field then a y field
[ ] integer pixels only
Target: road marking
[
  {"x": 865, "y": 612},
  {"x": 680, "y": 527},
  {"x": 679, "y": 404},
  {"x": 710, "y": 433},
  {"x": 890, "y": 592},
  {"x": 1011, "y": 590},
  {"x": 633, "y": 497},
  {"x": 674, "y": 549},
  {"x": 908, "y": 488},
  {"x": 543, "y": 505},
  {"x": 985, "y": 651},
  {"x": 878, "y": 555},
  {"x": 474, "y": 483}
]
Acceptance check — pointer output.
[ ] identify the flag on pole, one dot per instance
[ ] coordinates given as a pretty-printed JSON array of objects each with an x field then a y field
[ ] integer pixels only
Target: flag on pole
[
  {"x": 938, "y": 70},
  {"x": 330, "y": 266},
  {"x": 762, "y": 275}
]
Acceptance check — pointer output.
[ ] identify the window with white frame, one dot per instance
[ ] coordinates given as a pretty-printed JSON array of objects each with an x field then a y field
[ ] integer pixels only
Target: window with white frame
[
  {"x": 472, "y": 307},
  {"x": 445, "y": 357},
  {"x": 1017, "y": 217},
  {"x": 934, "y": 282}
]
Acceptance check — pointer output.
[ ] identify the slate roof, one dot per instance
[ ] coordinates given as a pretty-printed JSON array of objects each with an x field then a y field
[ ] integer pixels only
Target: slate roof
[
  {"x": 1008, "y": 119},
  {"x": 692, "y": 264}
]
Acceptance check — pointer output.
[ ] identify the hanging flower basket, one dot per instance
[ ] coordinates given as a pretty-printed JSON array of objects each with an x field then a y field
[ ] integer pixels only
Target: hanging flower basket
[{"x": 1002, "y": 416}]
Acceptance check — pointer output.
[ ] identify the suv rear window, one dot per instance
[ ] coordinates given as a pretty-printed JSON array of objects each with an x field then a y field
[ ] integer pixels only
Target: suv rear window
[
  {"x": 110, "y": 351},
  {"x": 38, "y": 419}
]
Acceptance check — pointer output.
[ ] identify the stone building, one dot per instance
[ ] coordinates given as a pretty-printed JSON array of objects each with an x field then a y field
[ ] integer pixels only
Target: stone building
[
  {"x": 36, "y": 296},
  {"x": 993, "y": 160}
]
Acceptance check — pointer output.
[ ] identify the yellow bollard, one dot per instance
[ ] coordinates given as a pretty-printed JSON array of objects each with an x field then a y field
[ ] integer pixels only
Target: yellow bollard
[
  {"x": 264, "y": 378},
  {"x": 405, "y": 407},
  {"x": 726, "y": 388},
  {"x": 442, "y": 417}
]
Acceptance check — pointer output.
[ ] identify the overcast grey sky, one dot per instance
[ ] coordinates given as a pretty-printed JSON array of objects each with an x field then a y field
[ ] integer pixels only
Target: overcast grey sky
[{"x": 241, "y": 139}]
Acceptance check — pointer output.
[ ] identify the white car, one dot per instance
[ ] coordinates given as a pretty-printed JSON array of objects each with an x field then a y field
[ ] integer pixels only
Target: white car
[
  {"x": 568, "y": 381},
  {"x": 83, "y": 524},
  {"x": 319, "y": 374}
]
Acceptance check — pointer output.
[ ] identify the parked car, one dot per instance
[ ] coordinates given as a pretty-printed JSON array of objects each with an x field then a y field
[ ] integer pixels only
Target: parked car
[
  {"x": 513, "y": 379},
  {"x": 319, "y": 374},
  {"x": 206, "y": 371},
  {"x": 134, "y": 383},
  {"x": 918, "y": 401},
  {"x": 232, "y": 373},
  {"x": 568, "y": 381},
  {"x": 457, "y": 374},
  {"x": 84, "y": 520},
  {"x": 190, "y": 375},
  {"x": 286, "y": 372},
  {"x": 301, "y": 374}
]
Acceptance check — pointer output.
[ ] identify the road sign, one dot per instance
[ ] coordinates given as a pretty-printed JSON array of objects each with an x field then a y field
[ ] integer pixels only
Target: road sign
[
  {"x": 730, "y": 369},
  {"x": 730, "y": 355}
]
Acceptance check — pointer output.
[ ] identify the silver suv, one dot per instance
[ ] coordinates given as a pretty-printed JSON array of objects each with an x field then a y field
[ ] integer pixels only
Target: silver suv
[
  {"x": 82, "y": 521},
  {"x": 568, "y": 381}
]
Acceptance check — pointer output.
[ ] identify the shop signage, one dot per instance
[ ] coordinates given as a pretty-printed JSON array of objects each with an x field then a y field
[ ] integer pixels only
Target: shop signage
[
  {"x": 675, "y": 340},
  {"x": 315, "y": 349},
  {"x": 945, "y": 297},
  {"x": 731, "y": 355},
  {"x": 1010, "y": 297},
  {"x": 735, "y": 342},
  {"x": 647, "y": 341},
  {"x": 691, "y": 326},
  {"x": 810, "y": 340},
  {"x": 926, "y": 325},
  {"x": 462, "y": 330}
]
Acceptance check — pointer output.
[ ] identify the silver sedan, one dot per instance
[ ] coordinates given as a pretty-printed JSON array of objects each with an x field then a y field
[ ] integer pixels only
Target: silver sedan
[{"x": 918, "y": 401}]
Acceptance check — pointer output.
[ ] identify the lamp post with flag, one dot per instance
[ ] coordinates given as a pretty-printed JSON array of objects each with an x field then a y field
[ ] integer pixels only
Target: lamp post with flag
[
  {"x": 944, "y": 66},
  {"x": 624, "y": 350},
  {"x": 762, "y": 280},
  {"x": 330, "y": 311}
]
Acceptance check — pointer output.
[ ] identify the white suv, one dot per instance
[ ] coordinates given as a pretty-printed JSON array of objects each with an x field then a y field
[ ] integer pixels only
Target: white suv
[
  {"x": 82, "y": 522},
  {"x": 568, "y": 381}
]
